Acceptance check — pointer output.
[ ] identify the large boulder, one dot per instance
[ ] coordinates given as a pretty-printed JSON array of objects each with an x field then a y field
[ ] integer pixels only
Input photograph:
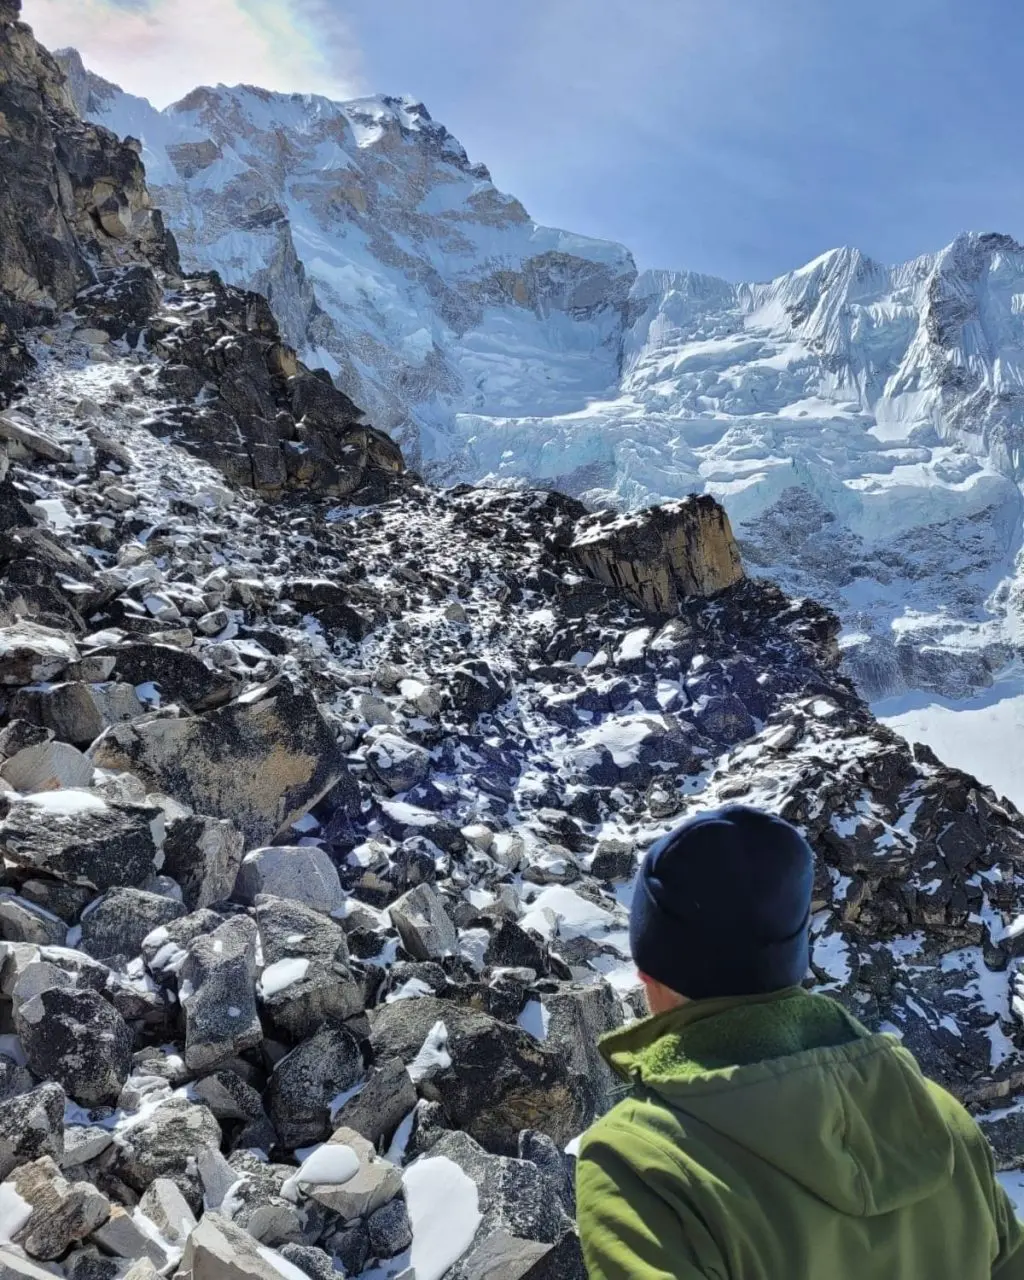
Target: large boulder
[
  {"x": 492, "y": 1079},
  {"x": 118, "y": 922},
  {"x": 164, "y": 1143},
  {"x": 78, "y": 837},
  {"x": 262, "y": 762},
  {"x": 30, "y": 653},
  {"x": 203, "y": 855},
  {"x": 79, "y": 1040},
  {"x": 180, "y": 677},
  {"x": 62, "y": 1212},
  {"x": 32, "y": 1125},
  {"x": 298, "y": 873},
  {"x": 661, "y": 556}
]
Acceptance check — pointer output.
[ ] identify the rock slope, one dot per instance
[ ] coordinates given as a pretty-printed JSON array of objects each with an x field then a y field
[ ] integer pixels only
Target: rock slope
[
  {"x": 320, "y": 800},
  {"x": 861, "y": 423}
]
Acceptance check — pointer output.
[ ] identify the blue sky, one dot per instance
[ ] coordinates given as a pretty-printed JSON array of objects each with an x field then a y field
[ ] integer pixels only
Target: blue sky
[{"x": 738, "y": 137}]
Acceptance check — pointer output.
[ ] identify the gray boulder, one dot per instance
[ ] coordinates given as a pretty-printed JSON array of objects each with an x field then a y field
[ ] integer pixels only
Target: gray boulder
[
  {"x": 424, "y": 926},
  {"x": 30, "y": 654},
  {"x": 120, "y": 920},
  {"x": 31, "y": 1126},
  {"x": 301, "y": 873},
  {"x": 493, "y": 1080},
  {"x": 203, "y": 855},
  {"x": 62, "y": 1212},
  {"x": 79, "y": 837},
  {"x": 399, "y": 765},
  {"x": 262, "y": 762},
  {"x": 163, "y": 1144}
]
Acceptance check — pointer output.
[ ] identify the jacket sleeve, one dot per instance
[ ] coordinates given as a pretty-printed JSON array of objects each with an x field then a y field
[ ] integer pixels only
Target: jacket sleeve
[{"x": 628, "y": 1231}]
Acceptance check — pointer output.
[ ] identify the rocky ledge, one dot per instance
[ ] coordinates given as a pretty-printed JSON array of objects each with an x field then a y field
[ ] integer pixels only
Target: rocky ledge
[{"x": 321, "y": 792}]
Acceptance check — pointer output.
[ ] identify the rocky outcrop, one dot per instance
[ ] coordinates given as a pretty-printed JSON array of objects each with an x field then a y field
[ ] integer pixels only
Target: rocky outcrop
[
  {"x": 661, "y": 556},
  {"x": 272, "y": 424},
  {"x": 73, "y": 199}
]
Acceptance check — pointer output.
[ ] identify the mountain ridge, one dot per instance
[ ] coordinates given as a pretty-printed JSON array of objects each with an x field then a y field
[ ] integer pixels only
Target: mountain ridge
[{"x": 862, "y": 423}]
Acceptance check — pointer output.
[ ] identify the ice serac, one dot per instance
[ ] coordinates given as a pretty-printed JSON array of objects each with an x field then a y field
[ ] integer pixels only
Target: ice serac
[{"x": 663, "y": 555}]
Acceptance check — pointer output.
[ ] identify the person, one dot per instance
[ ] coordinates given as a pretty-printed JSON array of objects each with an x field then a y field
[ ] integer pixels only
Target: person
[{"x": 767, "y": 1135}]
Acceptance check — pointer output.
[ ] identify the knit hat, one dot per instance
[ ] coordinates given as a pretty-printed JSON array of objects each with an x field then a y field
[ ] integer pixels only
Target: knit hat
[{"x": 722, "y": 904}]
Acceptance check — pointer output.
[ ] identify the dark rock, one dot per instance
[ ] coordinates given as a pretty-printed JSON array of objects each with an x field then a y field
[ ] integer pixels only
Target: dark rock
[
  {"x": 79, "y": 1040},
  {"x": 390, "y": 1230},
  {"x": 500, "y": 1080},
  {"x": 120, "y": 920},
  {"x": 304, "y": 1083},
  {"x": 181, "y": 677},
  {"x": 380, "y": 1107},
  {"x": 307, "y": 981},
  {"x": 476, "y": 688},
  {"x": 314, "y": 1262},
  {"x": 217, "y": 991},
  {"x": 96, "y": 844},
  {"x": 164, "y": 1145},
  {"x": 203, "y": 855},
  {"x": 31, "y": 1126}
]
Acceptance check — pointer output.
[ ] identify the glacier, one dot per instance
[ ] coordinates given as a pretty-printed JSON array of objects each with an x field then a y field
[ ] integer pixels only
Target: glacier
[{"x": 863, "y": 424}]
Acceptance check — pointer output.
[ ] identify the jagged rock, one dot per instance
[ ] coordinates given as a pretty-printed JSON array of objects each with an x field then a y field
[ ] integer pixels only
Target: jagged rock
[
  {"x": 78, "y": 712},
  {"x": 90, "y": 1264},
  {"x": 32, "y": 1126},
  {"x": 119, "y": 921},
  {"x": 300, "y": 873},
  {"x": 83, "y": 1143},
  {"x": 257, "y": 1203},
  {"x": 217, "y": 991},
  {"x": 79, "y": 1040},
  {"x": 228, "y": 1096},
  {"x": 218, "y": 1250},
  {"x": 306, "y": 981},
  {"x": 311, "y": 1261},
  {"x": 424, "y": 926},
  {"x": 31, "y": 654},
  {"x": 474, "y": 687},
  {"x": 663, "y": 555},
  {"x": 15, "y": 1266},
  {"x": 497, "y": 1081},
  {"x": 181, "y": 677},
  {"x": 516, "y": 1204},
  {"x": 47, "y": 766},
  {"x": 125, "y": 1237},
  {"x": 164, "y": 1143},
  {"x": 203, "y": 855},
  {"x": 80, "y": 838},
  {"x": 380, "y": 1107},
  {"x": 578, "y": 1016},
  {"x": 390, "y": 1230},
  {"x": 306, "y": 1080},
  {"x": 62, "y": 1212},
  {"x": 261, "y": 762},
  {"x": 22, "y": 921},
  {"x": 165, "y": 949},
  {"x": 168, "y": 1210},
  {"x": 399, "y": 764},
  {"x": 31, "y": 440}
]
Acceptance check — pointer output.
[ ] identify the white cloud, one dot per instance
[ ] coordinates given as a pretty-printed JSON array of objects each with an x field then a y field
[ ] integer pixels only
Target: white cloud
[{"x": 161, "y": 49}]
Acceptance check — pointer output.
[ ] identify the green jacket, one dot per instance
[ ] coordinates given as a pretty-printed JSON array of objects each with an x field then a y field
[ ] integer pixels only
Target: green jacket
[{"x": 774, "y": 1138}]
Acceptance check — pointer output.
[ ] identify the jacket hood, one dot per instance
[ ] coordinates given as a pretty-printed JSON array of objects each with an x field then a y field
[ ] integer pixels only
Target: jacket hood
[{"x": 794, "y": 1079}]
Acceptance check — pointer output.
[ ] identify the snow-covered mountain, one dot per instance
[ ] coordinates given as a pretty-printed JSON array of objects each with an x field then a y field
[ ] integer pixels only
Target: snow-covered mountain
[{"x": 863, "y": 424}]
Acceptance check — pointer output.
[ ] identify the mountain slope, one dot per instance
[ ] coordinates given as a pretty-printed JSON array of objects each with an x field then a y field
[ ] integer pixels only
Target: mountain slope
[{"x": 862, "y": 424}]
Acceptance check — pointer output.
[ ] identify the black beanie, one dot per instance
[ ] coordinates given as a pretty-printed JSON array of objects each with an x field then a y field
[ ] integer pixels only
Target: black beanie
[{"x": 722, "y": 904}]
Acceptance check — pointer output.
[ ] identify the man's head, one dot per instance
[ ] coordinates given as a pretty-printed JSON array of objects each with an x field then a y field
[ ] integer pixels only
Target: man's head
[{"x": 721, "y": 907}]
